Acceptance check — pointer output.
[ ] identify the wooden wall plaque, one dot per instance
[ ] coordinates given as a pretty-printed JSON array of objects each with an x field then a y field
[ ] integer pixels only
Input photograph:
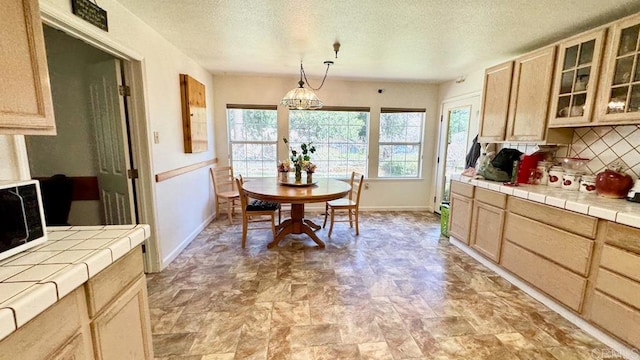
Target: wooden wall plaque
[{"x": 194, "y": 114}]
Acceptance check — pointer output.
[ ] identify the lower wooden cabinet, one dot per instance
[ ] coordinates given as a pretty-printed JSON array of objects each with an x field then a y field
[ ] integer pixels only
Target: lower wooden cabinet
[
  {"x": 75, "y": 349},
  {"x": 460, "y": 217},
  {"x": 488, "y": 222},
  {"x": 122, "y": 330}
]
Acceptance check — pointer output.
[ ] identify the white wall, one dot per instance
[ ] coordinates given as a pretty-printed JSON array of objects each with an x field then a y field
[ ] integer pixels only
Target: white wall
[
  {"x": 384, "y": 194},
  {"x": 188, "y": 195}
]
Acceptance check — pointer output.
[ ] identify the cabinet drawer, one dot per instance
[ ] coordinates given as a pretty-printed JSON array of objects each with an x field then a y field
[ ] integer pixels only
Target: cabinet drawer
[
  {"x": 493, "y": 198},
  {"x": 105, "y": 286},
  {"x": 623, "y": 236},
  {"x": 557, "y": 282},
  {"x": 48, "y": 331},
  {"x": 576, "y": 223},
  {"x": 461, "y": 188},
  {"x": 619, "y": 287},
  {"x": 569, "y": 250},
  {"x": 620, "y": 261},
  {"x": 616, "y": 317}
]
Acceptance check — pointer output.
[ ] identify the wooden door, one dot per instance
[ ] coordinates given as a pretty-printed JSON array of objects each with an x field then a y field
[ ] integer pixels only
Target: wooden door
[
  {"x": 495, "y": 102},
  {"x": 123, "y": 330},
  {"x": 26, "y": 106},
  {"x": 486, "y": 230},
  {"x": 460, "y": 217},
  {"x": 107, "y": 112},
  {"x": 530, "y": 92}
]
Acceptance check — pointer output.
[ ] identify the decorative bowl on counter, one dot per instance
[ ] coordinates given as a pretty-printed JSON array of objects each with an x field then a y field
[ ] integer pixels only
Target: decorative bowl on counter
[{"x": 574, "y": 163}]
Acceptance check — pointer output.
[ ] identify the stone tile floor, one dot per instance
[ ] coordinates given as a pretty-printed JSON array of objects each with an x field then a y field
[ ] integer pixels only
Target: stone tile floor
[{"x": 397, "y": 291}]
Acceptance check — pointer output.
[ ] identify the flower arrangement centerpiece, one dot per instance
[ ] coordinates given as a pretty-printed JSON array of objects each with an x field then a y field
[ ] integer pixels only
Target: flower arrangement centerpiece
[
  {"x": 284, "y": 166},
  {"x": 309, "y": 168},
  {"x": 298, "y": 158}
]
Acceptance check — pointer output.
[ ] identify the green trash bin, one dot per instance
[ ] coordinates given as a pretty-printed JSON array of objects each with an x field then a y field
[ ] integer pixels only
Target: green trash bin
[{"x": 444, "y": 219}]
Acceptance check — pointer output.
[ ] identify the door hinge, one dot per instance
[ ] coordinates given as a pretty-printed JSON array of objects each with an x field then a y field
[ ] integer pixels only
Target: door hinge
[
  {"x": 124, "y": 90},
  {"x": 132, "y": 173},
  {"x": 441, "y": 118},
  {"x": 144, "y": 248},
  {"x": 434, "y": 199},
  {"x": 438, "y": 160}
]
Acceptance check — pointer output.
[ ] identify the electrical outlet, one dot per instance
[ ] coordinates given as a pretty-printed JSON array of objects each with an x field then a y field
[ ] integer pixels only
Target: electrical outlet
[
  {"x": 156, "y": 137},
  {"x": 366, "y": 186}
]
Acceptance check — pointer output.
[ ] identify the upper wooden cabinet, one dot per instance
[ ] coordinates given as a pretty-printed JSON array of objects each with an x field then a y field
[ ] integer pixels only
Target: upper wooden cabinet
[
  {"x": 495, "y": 102},
  {"x": 25, "y": 95},
  {"x": 619, "y": 99},
  {"x": 576, "y": 77},
  {"x": 532, "y": 77}
]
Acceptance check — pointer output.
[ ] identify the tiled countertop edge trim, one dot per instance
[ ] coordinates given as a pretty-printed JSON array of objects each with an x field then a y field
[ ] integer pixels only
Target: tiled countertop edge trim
[{"x": 625, "y": 218}]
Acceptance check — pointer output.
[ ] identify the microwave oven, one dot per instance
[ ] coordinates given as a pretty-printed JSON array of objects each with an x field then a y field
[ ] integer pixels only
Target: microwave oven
[{"x": 22, "y": 222}]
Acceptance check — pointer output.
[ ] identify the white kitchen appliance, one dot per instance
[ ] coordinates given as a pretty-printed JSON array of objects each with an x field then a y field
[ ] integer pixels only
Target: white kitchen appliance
[
  {"x": 22, "y": 222},
  {"x": 634, "y": 193}
]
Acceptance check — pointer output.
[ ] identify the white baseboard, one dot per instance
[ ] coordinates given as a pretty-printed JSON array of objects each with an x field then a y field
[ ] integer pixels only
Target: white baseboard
[
  {"x": 621, "y": 349},
  {"x": 174, "y": 254}
]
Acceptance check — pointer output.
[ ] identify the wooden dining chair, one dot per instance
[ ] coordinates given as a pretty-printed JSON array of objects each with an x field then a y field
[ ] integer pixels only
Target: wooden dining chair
[
  {"x": 350, "y": 204},
  {"x": 255, "y": 211},
  {"x": 225, "y": 189}
]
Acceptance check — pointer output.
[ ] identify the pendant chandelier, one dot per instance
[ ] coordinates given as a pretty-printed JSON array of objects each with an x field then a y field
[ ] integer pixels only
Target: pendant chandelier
[{"x": 302, "y": 98}]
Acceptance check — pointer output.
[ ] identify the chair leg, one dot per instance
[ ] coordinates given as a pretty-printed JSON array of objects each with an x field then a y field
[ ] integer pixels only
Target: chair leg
[
  {"x": 350, "y": 218},
  {"x": 273, "y": 224},
  {"x": 357, "y": 215},
  {"x": 245, "y": 225},
  {"x": 333, "y": 213},
  {"x": 217, "y": 207},
  {"x": 279, "y": 216},
  {"x": 326, "y": 212},
  {"x": 230, "y": 210}
]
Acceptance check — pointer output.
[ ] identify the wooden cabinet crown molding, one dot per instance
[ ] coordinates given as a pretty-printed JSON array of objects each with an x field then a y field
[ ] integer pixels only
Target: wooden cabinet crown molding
[{"x": 26, "y": 106}]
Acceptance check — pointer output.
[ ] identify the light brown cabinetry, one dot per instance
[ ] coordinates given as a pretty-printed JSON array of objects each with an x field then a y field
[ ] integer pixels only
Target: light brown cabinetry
[
  {"x": 25, "y": 95},
  {"x": 461, "y": 210},
  {"x": 543, "y": 247},
  {"x": 495, "y": 102},
  {"x": 619, "y": 98},
  {"x": 576, "y": 77},
  {"x": 616, "y": 305},
  {"x": 532, "y": 77},
  {"x": 488, "y": 222},
  {"x": 119, "y": 310}
]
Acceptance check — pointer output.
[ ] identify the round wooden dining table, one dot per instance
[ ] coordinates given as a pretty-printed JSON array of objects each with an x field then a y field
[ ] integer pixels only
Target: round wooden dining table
[{"x": 270, "y": 189}]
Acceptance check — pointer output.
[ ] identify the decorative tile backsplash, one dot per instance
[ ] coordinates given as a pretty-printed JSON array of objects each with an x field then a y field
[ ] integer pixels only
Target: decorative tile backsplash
[{"x": 606, "y": 144}]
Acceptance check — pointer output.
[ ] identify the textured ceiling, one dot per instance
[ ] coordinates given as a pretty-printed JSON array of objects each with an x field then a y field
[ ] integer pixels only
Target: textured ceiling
[{"x": 406, "y": 40}]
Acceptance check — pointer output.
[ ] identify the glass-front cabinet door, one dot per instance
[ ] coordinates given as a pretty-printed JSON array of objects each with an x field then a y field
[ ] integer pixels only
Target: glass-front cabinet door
[
  {"x": 575, "y": 80},
  {"x": 619, "y": 100}
]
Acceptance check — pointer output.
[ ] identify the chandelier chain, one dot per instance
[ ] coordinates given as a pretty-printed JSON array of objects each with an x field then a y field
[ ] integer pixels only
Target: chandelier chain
[{"x": 304, "y": 75}]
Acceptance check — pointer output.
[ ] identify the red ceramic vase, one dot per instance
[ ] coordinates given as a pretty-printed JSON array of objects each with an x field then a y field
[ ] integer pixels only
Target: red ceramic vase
[{"x": 612, "y": 184}]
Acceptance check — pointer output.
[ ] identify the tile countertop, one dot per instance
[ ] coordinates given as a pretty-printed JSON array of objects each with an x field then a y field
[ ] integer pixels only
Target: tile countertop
[
  {"x": 616, "y": 210},
  {"x": 35, "y": 279}
]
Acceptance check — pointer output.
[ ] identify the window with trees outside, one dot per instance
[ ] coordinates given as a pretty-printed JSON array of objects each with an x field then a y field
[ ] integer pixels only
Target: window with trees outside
[
  {"x": 400, "y": 142},
  {"x": 340, "y": 136},
  {"x": 253, "y": 139}
]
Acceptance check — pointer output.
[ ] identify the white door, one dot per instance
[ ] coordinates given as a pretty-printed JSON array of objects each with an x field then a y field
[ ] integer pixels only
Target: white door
[
  {"x": 458, "y": 127},
  {"x": 109, "y": 118}
]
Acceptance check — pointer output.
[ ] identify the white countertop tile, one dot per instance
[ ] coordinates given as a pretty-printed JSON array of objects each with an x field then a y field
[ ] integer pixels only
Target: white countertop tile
[
  {"x": 9, "y": 290},
  {"x": 32, "y": 302},
  {"x": 7, "y": 322},
  {"x": 60, "y": 244},
  {"x": 86, "y": 228},
  {"x": 629, "y": 219},
  {"x": 111, "y": 234},
  {"x": 67, "y": 257},
  {"x": 555, "y": 201},
  {"x": 84, "y": 234},
  {"x": 97, "y": 261},
  {"x": 68, "y": 280},
  {"x": 92, "y": 244},
  {"x": 33, "y": 258},
  {"x": 577, "y": 207},
  {"x": 36, "y": 273},
  {"x": 603, "y": 213},
  {"x": 119, "y": 248},
  {"x": 494, "y": 186},
  {"x": 8, "y": 271},
  {"x": 506, "y": 189},
  {"x": 536, "y": 197},
  {"x": 58, "y": 235},
  {"x": 138, "y": 236},
  {"x": 521, "y": 193}
]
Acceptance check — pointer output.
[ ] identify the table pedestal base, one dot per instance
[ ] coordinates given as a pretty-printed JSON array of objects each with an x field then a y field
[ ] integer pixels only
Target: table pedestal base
[{"x": 297, "y": 225}]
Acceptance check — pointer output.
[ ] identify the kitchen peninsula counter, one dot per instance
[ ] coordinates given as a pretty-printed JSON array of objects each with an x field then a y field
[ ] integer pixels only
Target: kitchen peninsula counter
[{"x": 99, "y": 267}]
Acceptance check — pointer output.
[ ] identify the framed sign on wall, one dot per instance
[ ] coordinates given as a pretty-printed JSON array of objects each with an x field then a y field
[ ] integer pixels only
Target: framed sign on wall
[{"x": 194, "y": 116}]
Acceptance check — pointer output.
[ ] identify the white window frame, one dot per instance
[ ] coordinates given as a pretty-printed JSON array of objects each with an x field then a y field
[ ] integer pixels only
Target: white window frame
[
  {"x": 420, "y": 143},
  {"x": 232, "y": 142}
]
